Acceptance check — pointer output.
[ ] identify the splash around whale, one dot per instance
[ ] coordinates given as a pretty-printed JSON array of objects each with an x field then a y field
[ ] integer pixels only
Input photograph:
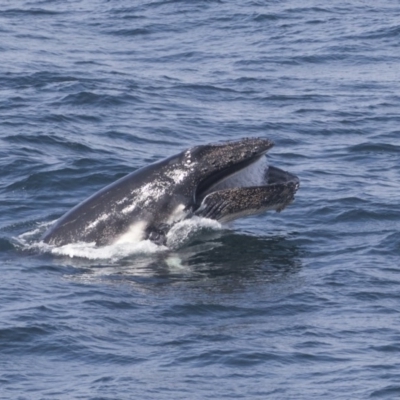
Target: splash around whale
[{"x": 222, "y": 181}]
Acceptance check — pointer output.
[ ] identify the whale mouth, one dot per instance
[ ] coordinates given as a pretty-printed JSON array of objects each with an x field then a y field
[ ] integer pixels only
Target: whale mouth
[
  {"x": 246, "y": 188},
  {"x": 254, "y": 171}
]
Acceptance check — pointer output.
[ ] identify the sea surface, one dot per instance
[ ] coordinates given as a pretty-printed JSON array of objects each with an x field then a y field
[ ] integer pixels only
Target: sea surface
[{"x": 303, "y": 304}]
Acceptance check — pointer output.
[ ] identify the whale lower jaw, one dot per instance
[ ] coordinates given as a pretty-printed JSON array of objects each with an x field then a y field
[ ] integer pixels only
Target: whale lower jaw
[{"x": 255, "y": 189}]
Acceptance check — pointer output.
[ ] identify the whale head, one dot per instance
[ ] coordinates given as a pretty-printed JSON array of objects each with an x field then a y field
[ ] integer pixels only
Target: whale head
[{"x": 234, "y": 179}]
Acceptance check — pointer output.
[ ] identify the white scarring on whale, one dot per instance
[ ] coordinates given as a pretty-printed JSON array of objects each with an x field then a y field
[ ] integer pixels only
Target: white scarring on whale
[{"x": 222, "y": 181}]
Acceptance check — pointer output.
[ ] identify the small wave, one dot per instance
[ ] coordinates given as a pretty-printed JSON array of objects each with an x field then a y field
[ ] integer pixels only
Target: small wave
[
  {"x": 94, "y": 99},
  {"x": 47, "y": 140},
  {"x": 375, "y": 148},
  {"x": 5, "y": 244},
  {"x": 383, "y": 33},
  {"x": 31, "y": 12},
  {"x": 130, "y": 32}
]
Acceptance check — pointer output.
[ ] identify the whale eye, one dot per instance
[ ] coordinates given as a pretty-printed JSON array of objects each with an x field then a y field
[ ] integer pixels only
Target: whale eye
[
  {"x": 154, "y": 236},
  {"x": 157, "y": 238}
]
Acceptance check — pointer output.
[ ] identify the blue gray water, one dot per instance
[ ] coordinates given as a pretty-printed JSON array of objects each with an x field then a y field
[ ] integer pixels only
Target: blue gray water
[{"x": 303, "y": 304}]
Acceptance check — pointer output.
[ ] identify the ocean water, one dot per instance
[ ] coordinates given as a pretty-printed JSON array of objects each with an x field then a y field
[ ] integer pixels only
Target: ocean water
[{"x": 303, "y": 304}]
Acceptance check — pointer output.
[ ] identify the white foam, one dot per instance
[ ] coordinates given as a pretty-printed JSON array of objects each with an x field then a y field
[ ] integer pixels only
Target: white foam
[
  {"x": 125, "y": 247},
  {"x": 25, "y": 239},
  {"x": 31, "y": 241},
  {"x": 27, "y": 235},
  {"x": 113, "y": 252}
]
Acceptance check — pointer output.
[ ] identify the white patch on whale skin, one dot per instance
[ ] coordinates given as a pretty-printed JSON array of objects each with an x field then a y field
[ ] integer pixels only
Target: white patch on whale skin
[
  {"x": 146, "y": 195},
  {"x": 122, "y": 201},
  {"x": 128, "y": 209},
  {"x": 177, "y": 215},
  {"x": 134, "y": 234},
  {"x": 177, "y": 175},
  {"x": 93, "y": 224}
]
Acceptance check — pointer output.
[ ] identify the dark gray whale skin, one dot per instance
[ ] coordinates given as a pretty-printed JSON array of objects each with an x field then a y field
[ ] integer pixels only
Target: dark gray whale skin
[{"x": 148, "y": 201}]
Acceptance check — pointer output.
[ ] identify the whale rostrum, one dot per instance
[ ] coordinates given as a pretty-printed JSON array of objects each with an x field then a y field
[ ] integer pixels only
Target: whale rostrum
[{"x": 222, "y": 181}]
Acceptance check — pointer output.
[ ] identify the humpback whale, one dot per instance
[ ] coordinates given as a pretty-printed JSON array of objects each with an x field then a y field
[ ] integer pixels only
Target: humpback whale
[{"x": 221, "y": 181}]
